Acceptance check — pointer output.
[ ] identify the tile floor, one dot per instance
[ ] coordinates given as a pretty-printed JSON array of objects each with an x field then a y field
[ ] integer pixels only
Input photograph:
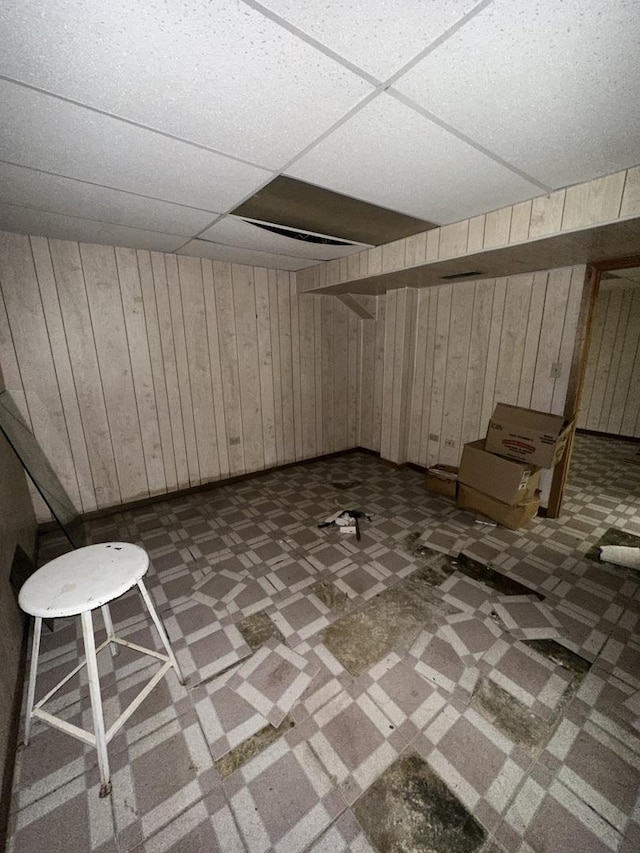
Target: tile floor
[{"x": 512, "y": 711}]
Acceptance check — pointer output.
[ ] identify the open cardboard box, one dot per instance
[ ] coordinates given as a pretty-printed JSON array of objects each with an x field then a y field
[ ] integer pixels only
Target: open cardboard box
[
  {"x": 537, "y": 438},
  {"x": 443, "y": 480},
  {"x": 507, "y": 480},
  {"x": 507, "y": 515}
]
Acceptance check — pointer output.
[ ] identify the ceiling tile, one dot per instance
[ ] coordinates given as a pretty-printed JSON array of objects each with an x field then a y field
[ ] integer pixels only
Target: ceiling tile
[
  {"x": 297, "y": 204},
  {"x": 220, "y": 74},
  {"x": 379, "y": 36},
  {"x": 218, "y": 252},
  {"x": 46, "y": 133},
  {"x": 392, "y": 156},
  {"x": 25, "y": 220},
  {"x": 550, "y": 87},
  {"x": 236, "y": 232},
  {"x": 29, "y": 188}
]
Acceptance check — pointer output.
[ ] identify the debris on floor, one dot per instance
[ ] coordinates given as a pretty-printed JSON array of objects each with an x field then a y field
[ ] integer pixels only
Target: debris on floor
[
  {"x": 346, "y": 520},
  {"x": 621, "y": 555}
]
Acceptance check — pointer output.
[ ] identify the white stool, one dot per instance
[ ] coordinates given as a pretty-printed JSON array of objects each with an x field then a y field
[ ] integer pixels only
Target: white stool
[{"x": 75, "y": 584}]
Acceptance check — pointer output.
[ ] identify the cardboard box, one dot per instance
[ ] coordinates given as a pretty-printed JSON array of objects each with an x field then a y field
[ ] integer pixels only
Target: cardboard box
[
  {"x": 443, "y": 480},
  {"x": 507, "y": 515},
  {"x": 506, "y": 480},
  {"x": 528, "y": 436}
]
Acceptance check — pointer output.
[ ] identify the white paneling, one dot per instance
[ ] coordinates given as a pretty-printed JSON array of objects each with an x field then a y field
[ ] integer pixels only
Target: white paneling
[
  {"x": 220, "y": 74},
  {"x": 236, "y": 232},
  {"x": 142, "y": 372},
  {"x": 82, "y": 144},
  {"x": 610, "y": 399},
  {"x": 379, "y": 37},
  {"x": 27, "y": 324},
  {"x": 109, "y": 334},
  {"x": 219, "y": 252},
  {"x": 390, "y": 155},
  {"x": 26, "y": 220},
  {"x": 478, "y": 343},
  {"x": 72, "y": 294},
  {"x": 198, "y": 366},
  {"x": 567, "y": 79},
  {"x": 30, "y": 188},
  {"x": 134, "y": 318}
]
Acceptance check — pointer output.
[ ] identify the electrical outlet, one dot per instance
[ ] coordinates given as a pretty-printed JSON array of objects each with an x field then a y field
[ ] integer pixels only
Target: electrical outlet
[
  {"x": 449, "y": 442},
  {"x": 433, "y": 437},
  {"x": 556, "y": 370}
]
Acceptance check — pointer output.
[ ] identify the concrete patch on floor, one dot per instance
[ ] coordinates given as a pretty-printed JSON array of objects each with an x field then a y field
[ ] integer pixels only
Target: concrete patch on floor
[
  {"x": 513, "y": 719},
  {"x": 410, "y": 809},
  {"x": 249, "y": 748},
  {"x": 391, "y": 620},
  {"x": 331, "y": 596},
  {"x": 257, "y": 629},
  {"x": 493, "y": 579}
]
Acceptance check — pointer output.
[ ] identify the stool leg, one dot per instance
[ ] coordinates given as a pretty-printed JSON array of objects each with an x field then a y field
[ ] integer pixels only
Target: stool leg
[
  {"x": 108, "y": 624},
  {"x": 96, "y": 702},
  {"x": 160, "y": 628},
  {"x": 33, "y": 671}
]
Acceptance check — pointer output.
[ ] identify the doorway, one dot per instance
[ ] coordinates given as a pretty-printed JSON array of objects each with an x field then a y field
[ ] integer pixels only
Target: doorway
[{"x": 604, "y": 384}]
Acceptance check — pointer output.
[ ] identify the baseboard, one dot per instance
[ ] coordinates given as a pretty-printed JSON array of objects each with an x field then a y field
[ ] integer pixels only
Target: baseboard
[{"x": 47, "y": 526}]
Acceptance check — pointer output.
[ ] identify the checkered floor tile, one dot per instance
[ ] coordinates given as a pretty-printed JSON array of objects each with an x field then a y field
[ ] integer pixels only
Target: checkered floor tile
[
  {"x": 273, "y": 680},
  {"x": 526, "y": 619},
  {"x": 354, "y": 740},
  {"x": 533, "y": 680},
  {"x": 197, "y": 766},
  {"x": 476, "y": 761}
]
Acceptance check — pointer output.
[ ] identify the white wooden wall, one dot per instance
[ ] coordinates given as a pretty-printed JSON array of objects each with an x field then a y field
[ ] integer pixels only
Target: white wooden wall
[
  {"x": 475, "y": 344},
  {"x": 610, "y": 399},
  {"x": 141, "y": 372}
]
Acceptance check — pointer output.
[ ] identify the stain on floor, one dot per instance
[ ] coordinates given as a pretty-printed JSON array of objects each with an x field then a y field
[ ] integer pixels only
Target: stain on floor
[{"x": 410, "y": 810}]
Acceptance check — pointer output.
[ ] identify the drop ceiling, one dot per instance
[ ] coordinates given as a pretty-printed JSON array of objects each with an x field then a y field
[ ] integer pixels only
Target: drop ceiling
[{"x": 156, "y": 124}]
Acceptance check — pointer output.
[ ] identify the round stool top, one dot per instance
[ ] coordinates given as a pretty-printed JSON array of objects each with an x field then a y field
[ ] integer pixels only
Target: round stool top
[{"x": 83, "y": 579}]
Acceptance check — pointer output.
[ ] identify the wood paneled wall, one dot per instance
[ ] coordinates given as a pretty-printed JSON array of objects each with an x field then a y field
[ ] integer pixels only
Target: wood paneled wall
[
  {"x": 474, "y": 344},
  {"x": 17, "y": 527},
  {"x": 610, "y": 399},
  {"x": 141, "y": 372},
  {"x": 607, "y": 199}
]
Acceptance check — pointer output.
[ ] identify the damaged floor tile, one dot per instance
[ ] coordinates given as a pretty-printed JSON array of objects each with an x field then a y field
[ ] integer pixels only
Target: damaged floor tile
[
  {"x": 409, "y": 809},
  {"x": 528, "y": 620},
  {"x": 252, "y": 746},
  {"x": 257, "y": 629},
  {"x": 332, "y": 597},
  {"x": 493, "y": 579},
  {"x": 273, "y": 680},
  {"x": 390, "y": 620},
  {"x": 509, "y": 716}
]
